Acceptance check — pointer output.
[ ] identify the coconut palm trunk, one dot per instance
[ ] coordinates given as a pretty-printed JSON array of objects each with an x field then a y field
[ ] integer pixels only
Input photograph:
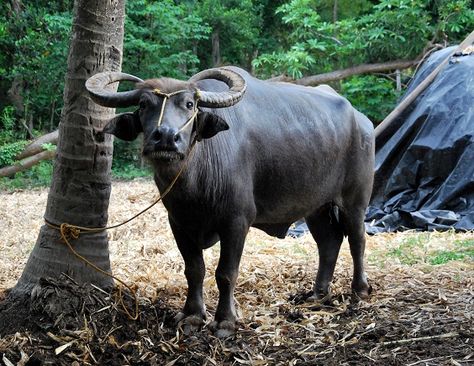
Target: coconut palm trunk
[{"x": 81, "y": 186}]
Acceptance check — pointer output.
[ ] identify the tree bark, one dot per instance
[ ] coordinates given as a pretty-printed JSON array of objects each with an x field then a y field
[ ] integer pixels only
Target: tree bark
[
  {"x": 216, "y": 49},
  {"x": 80, "y": 190},
  {"x": 344, "y": 73}
]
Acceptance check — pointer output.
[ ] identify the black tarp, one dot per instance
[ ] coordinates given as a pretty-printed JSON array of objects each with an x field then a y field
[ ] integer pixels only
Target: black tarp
[{"x": 424, "y": 171}]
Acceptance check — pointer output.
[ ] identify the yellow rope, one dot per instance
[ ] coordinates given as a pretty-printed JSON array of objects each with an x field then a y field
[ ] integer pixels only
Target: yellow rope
[
  {"x": 69, "y": 231},
  {"x": 166, "y": 96},
  {"x": 162, "y": 110}
]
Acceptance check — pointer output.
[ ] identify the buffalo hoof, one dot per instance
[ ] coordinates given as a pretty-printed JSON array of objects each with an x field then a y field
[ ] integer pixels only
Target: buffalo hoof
[
  {"x": 189, "y": 323},
  {"x": 320, "y": 297},
  {"x": 223, "y": 329},
  {"x": 362, "y": 293}
]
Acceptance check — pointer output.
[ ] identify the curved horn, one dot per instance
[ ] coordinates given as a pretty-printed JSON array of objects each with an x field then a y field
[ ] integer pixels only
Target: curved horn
[
  {"x": 96, "y": 86},
  {"x": 236, "y": 83}
]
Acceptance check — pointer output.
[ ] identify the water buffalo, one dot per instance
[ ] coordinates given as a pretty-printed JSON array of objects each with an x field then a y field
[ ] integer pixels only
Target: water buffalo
[{"x": 267, "y": 154}]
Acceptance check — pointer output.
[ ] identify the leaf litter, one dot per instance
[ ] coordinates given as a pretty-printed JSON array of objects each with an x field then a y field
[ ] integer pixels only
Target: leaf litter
[{"x": 418, "y": 314}]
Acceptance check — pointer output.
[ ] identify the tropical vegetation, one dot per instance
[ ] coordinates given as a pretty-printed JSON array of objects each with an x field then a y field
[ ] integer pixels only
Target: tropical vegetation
[{"x": 296, "y": 38}]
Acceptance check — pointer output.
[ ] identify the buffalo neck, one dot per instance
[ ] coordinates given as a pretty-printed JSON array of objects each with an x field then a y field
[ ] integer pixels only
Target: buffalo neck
[{"x": 207, "y": 171}]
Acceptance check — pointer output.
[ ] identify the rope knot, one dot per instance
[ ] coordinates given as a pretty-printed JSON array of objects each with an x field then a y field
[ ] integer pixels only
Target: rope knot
[{"x": 69, "y": 231}]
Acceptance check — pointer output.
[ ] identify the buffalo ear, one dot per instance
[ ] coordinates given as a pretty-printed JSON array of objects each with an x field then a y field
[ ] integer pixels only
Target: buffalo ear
[
  {"x": 208, "y": 125},
  {"x": 125, "y": 126}
]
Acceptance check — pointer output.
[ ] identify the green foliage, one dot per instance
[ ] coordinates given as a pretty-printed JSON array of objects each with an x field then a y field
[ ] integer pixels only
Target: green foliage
[
  {"x": 455, "y": 17},
  {"x": 10, "y": 146},
  {"x": 445, "y": 256},
  {"x": 9, "y": 151},
  {"x": 36, "y": 42},
  {"x": 374, "y": 96},
  {"x": 174, "y": 38},
  {"x": 127, "y": 163},
  {"x": 396, "y": 29},
  {"x": 48, "y": 147},
  {"x": 423, "y": 248},
  {"x": 389, "y": 30},
  {"x": 464, "y": 249},
  {"x": 237, "y": 24},
  {"x": 160, "y": 37},
  {"x": 38, "y": 176},
  {"x": 468, "y": 243},
  {"x": 7, "y": 125},
  {"x": 406, "y": 252},
  {"x": 130, "y": 171}
]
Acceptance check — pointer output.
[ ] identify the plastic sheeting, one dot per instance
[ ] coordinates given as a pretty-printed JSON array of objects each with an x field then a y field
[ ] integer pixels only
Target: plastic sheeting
[{"x": 424, "y": 172}]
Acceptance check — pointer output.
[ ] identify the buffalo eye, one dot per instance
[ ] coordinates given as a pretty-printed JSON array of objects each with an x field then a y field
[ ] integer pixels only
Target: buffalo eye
[
  {"x": 189, "y": 105},
  {"x": 142, "y": 104}
]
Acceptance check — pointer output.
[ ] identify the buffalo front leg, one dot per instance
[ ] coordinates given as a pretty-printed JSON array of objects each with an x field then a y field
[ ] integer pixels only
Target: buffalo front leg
[
  {"x": 232, "y": 244},
  {"x": 328, "y": 234},
  {"x": 194, "y": 311}
]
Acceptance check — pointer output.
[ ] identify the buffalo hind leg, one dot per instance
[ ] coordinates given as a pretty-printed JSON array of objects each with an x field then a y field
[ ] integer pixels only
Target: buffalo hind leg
[
  {"x": 194, "y": 311},
  {"x": 232, "y": 245},
  {"x": 354, "y": 224},
  {"x": 328, "y": 233}
]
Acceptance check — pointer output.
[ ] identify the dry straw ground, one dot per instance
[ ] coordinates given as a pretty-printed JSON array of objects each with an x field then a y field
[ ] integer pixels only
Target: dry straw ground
[{"x": 421, "y": 313}]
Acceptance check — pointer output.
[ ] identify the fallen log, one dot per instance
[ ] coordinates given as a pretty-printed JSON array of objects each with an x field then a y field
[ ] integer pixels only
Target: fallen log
[
  {"x": 26, "y": 163},
  {"x": 327, "y": 77},
  {"x": 355, "y": 70},
  {"x": 36, "y": 146}
]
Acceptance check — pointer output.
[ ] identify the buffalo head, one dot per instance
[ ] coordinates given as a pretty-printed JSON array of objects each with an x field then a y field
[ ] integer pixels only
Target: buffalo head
[{"x": 169, "y": 112}]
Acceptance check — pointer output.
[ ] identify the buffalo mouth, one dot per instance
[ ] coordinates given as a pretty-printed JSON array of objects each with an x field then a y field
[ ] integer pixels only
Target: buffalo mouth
[{"x": 165, "y": 155}]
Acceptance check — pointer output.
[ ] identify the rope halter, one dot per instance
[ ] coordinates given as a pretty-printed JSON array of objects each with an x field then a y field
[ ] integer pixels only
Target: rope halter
[{"x": 166, "y": 96}]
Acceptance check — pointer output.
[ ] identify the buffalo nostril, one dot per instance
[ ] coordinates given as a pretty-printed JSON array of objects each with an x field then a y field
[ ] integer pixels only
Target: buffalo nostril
[
  {"x": 177, "y": 137},
  {"x": 157, "y": 136}
]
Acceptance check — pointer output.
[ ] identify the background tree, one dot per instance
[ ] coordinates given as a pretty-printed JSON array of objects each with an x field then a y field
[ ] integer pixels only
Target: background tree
[
  {"x": 80, "y": 189},
  {"x": 389, "y": 30},
  {"x": 298, "y": 38},
  {"x": 235, "y": 33}
]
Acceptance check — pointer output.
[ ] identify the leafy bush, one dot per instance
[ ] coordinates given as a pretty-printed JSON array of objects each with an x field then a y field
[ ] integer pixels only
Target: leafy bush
[
  {"x": 10, "y": 145},
  {"x": 160, "y": 37},
  {"x": 38, "y": 176},
  {"x": 9, "y": 151},
  {"x": 389, "y": 30},
  {"x": 130, "y": 171},
  {"x": 372, "y": 95},
  {"x": 37, "y": 42},
  {"x": 127, "y": 163}
]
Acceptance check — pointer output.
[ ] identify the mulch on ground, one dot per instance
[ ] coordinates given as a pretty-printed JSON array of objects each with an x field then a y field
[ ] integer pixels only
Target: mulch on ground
[{"x": 418, "y": 314}]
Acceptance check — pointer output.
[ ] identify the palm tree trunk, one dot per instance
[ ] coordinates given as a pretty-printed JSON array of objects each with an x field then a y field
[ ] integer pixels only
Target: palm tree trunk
[
  {"x": 216, "y": 49},
  {"x": 80, "y": 190}
]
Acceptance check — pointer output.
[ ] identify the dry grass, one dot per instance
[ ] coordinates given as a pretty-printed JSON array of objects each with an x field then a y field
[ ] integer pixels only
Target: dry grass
[{"x": 415, "y": 309}]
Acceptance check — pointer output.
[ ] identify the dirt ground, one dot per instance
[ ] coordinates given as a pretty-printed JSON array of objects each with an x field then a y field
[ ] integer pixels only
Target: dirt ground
[{"x": 420, "y": 313}]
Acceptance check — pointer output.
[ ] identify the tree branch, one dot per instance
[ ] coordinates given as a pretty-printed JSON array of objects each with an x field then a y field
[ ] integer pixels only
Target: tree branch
[
  {"x": 36, "y": 146},
  {"x": 327, "y": 77},
  {"x": 26, "y": 163},
  {"x": 355, "y": 70}
]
